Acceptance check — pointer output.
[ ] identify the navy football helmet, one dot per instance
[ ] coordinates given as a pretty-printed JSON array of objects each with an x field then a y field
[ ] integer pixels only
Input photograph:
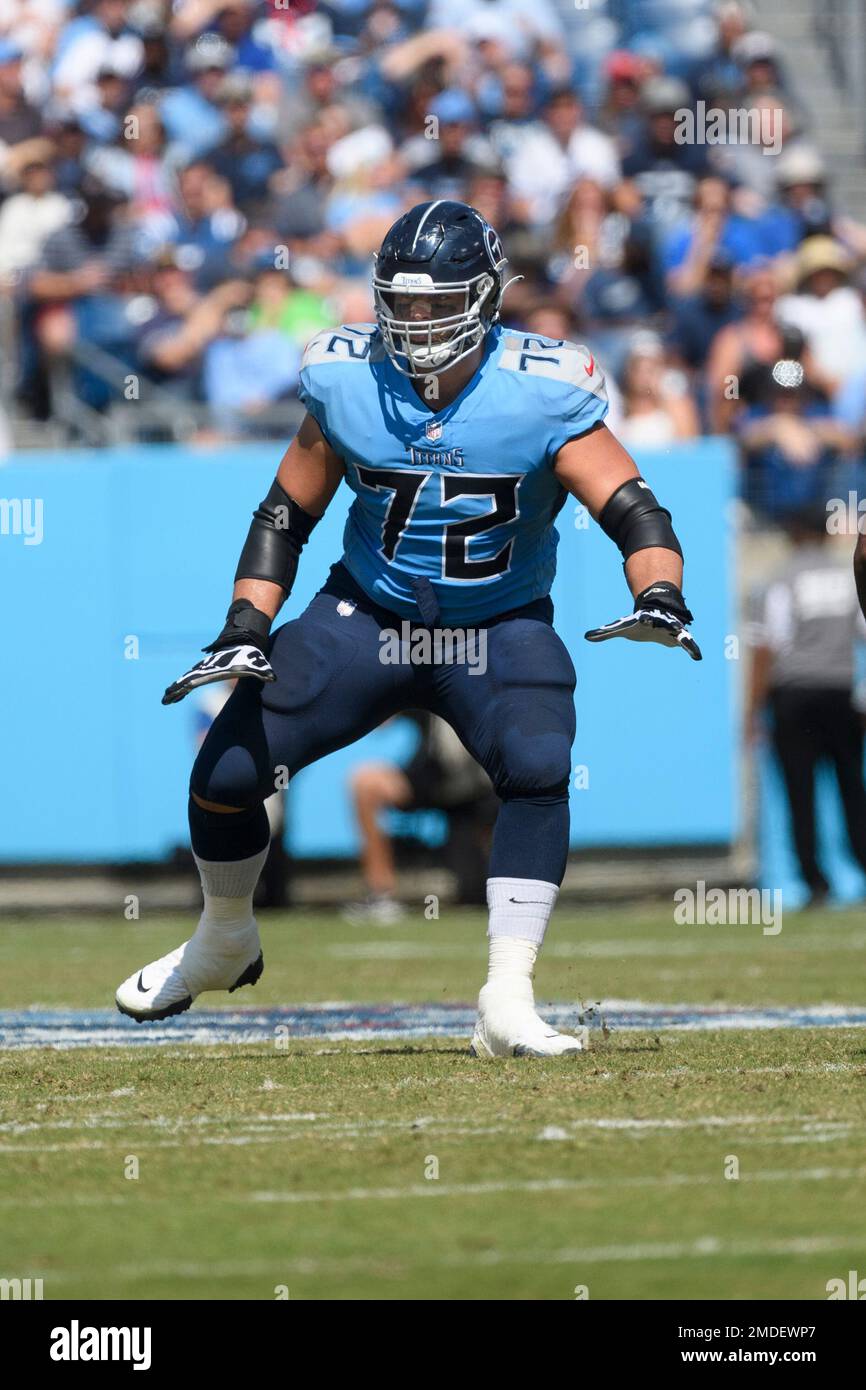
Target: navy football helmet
[{"x": 441, "y": 251}]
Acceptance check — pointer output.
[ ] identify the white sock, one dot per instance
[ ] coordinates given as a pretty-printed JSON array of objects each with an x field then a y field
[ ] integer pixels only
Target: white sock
[
  {"x": 520, "y": 910},
  {"x": 520, "y": 907},
  {"x": 224, "y": 927}
]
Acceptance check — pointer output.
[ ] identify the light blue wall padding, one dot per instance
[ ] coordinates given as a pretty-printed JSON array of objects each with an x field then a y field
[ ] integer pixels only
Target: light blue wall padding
[{"x": 141, "y": 542}]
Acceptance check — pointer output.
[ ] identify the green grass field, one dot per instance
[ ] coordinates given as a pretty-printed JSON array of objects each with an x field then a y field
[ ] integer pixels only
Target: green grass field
[{"x": 310, "y": 1168}]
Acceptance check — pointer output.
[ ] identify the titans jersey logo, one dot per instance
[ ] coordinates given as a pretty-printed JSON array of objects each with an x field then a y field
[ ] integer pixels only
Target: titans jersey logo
[{"x": 435, "y": 458}]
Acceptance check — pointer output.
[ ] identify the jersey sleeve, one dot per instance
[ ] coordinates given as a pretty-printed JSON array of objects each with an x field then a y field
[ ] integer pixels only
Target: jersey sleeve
[
  {"x": 313, "y": 384},
  {"x": 581, "y": 401}
]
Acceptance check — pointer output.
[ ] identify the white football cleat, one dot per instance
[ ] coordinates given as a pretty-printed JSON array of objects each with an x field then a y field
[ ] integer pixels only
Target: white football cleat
[
  {"x": 508, "y": 1026},
  {"x": 168, "y": 986}
]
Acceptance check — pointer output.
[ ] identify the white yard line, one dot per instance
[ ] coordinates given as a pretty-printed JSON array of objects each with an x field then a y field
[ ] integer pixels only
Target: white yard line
[
  {"x": 309, "y": 1124},
  {"x": 278, "y": 1269},
  {"x": 527, "y": 1187},
  {"x": 531, "y": 1186}
]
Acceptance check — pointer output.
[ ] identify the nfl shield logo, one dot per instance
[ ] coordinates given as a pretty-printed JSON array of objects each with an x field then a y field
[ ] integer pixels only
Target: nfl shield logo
[{"x": 433, "y": 430}]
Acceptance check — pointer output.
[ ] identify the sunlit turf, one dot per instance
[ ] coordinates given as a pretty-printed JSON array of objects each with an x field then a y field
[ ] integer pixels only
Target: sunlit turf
[{"x": 384, "y": 1170}]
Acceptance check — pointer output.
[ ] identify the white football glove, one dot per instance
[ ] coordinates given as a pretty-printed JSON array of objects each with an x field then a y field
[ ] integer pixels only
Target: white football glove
[
  {"x": 236, "y": 653},
  {"x": 660, "y": 615},
  {"x": 229, "y": 664}
]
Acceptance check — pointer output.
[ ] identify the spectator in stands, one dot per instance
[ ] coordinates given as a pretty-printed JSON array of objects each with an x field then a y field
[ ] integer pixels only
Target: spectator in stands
[
  {"x": 235, "y": 22},
  {"x": 300, "y": 195},
  {"x": 366, "y": 196},
  {"x": 89, "y": 255},
  {"x": 191, "y": 113},
  {"x": 79, "y": 288},
  {"x": 280, "y": 305},
  {"x": 698, "y": 318},
  {"x": 441, "y": 166},
  {"x": 657, "y": 407},
  {"x": 102, "y": 118},
  {"x": 589, "y": 152},
  {"x": 30, "y": 216},
  {"x": 160, "y": 66},
  {"x": 488, "y": 191},
  {"x": 248, "y": 367},
  {"x": 757, "y": 55},
  {"x": 805, "y": 205},
  {"x": 743, "y": 354},
  {"x": 718, "y": 78},
  {"x": 172, "y": 341},
  {"x": 319, "y": 87},
  {"x": 712, "y": 229},
  {"x": 794, "y": 451},
  {"x": 205, "y": 223},
  {"x": 827, "y": 309},
  {"x": 70, "y": 143},
  {"x": 534, "y": 166},
  {"x": 589, "y": 236},
  {"x": 402, "y": 77},
  {"x": 620, "y": 114},
  {"x": 602, "y": 266},
  {"x": 547, "y": 156},
  {"x": 247, "y": 163},
  {"x": 137, "y": 165},
  {"x": 19, "y": 120},
  {"x": 802, "y": 637},
  {"x": 665, "y": 172},
  {"x": 102, "y": 42}
]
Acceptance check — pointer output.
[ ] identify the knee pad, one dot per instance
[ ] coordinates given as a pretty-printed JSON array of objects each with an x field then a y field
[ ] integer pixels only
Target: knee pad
[{"x": 534, "y": 764}]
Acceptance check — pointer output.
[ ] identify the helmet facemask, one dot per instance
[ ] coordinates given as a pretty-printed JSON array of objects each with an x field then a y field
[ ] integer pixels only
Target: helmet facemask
[{"x": 425, "y": 347}]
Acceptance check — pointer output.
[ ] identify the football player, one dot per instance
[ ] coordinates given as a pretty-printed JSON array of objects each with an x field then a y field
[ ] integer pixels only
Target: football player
[{"x": 460, "y": 439}]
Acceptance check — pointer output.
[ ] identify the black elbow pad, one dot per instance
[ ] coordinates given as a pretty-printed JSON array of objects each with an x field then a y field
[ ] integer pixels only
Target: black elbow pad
[
  {"x": 280, "y": 529},
  {"x": 635, "y": 520}
]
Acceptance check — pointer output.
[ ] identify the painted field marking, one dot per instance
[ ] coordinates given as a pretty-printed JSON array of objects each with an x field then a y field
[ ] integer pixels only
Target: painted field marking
[
  {"x": 68, "y": 1028},
  {"x": 527, "y": 1187},
  {"x": 536, "y": 1185},
  {"x": 702, "y": 1248}
]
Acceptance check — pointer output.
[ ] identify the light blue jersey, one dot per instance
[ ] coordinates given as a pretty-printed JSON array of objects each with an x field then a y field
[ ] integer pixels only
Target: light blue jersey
[{"x": 466, "y": 496}]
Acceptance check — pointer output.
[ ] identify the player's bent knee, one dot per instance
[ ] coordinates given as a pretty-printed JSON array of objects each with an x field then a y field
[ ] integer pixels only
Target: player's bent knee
[
  {"x": 534, "y": 769},
  {"x": 230, "y": 782}
]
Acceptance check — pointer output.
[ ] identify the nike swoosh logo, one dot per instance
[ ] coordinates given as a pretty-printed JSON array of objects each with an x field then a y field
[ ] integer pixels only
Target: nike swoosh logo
[
  {"x": 141, "y": 985},
  {"x": 591, "y": 368},
  {"x": 521, "y": 901}
]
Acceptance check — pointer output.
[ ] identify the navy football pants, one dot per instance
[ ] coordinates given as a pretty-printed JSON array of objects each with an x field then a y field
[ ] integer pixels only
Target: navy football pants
[{"x": 516, "y": 719}]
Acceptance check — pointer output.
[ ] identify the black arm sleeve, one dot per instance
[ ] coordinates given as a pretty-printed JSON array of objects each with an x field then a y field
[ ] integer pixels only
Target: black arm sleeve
[
  {"x": 635, "y": 520},
  {"x": 280, "y": 529}
]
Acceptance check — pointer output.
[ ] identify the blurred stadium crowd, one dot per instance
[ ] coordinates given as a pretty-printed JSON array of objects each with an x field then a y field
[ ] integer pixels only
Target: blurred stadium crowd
[{"x": 191, "y": 189}]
